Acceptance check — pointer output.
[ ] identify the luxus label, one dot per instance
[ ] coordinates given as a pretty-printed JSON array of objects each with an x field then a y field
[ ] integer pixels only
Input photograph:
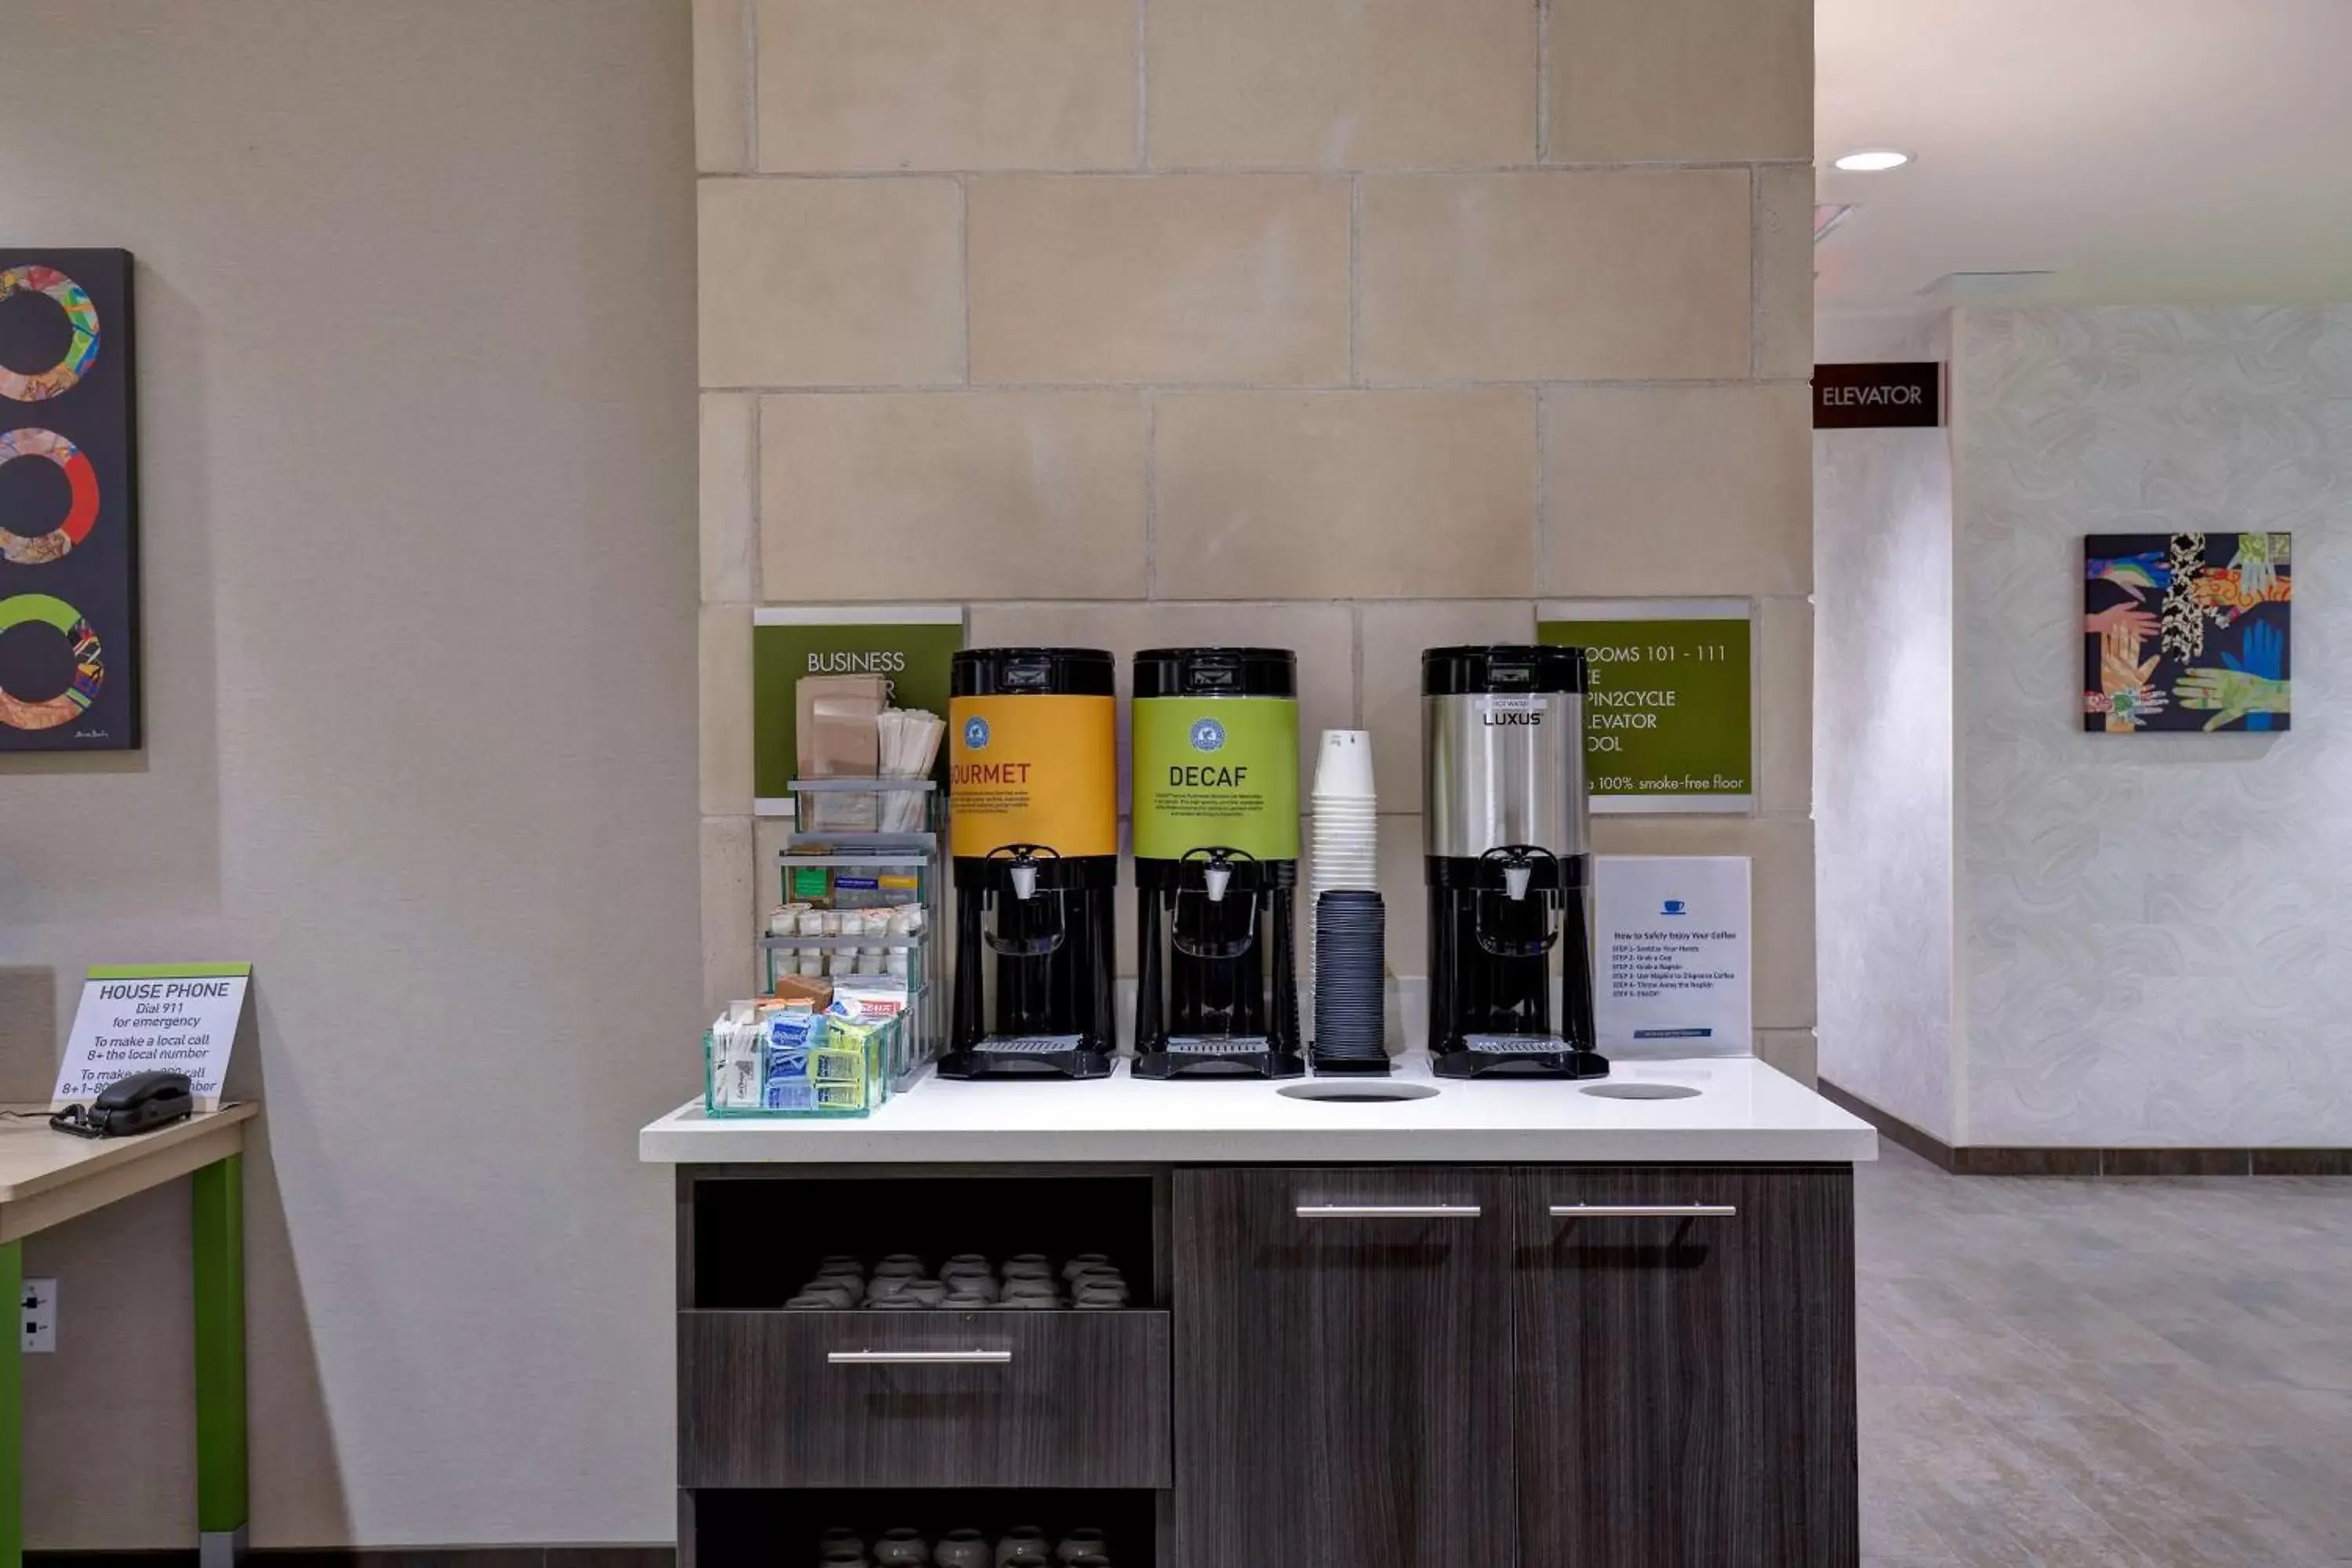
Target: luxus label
[{"x": 1504, "y": 712}]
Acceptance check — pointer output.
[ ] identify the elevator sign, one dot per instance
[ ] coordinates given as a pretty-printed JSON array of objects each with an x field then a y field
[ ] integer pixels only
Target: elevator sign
[
  {"x": 1668, "y": 717},
  {"x": 1879, "y": 396}
]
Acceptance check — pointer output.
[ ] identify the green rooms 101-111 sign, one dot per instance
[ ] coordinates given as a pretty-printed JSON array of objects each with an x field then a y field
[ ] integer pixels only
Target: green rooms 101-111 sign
[{"x": 1668, "y": 712}]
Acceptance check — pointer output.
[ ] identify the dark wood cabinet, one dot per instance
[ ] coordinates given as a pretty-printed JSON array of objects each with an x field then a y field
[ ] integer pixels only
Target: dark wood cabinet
[
  {"x": 1341, "y": 1337},
  {"x": 1684, "y": 1367},
  {"x": 1360, "y": 1366}
]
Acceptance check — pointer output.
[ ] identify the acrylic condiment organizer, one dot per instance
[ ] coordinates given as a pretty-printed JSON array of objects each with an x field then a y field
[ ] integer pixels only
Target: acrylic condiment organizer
[{"x": 829, "y": 852}]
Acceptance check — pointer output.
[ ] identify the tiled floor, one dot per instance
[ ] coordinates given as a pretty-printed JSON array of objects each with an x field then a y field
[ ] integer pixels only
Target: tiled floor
[{"x": 2128, "y": 1372}]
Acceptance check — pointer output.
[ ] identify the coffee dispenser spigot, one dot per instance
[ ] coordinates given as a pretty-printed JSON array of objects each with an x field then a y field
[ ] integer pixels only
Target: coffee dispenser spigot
[
  {"x": 1518, "y": 864},
  {"x": 1218, "y": 874},
  {"x": 1022, "y": 872},
  {"x": 1518, "y": 874}
]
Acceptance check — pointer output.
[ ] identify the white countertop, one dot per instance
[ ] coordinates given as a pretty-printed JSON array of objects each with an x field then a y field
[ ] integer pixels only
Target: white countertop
[{"x": 1744, "y": 1110}]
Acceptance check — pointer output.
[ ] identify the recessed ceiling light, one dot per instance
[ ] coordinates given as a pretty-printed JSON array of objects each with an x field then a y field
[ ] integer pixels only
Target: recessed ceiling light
[{"x": 1872, "y": 161}]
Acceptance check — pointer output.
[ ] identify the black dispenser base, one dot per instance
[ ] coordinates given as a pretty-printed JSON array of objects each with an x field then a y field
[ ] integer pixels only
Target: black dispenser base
[
  {"x": 1329, "y": 1065},
  {"x": 981, "y": 1061},
  {"x": 1492, "y": 1062},
  {"x": 1203, "y": 1059}
]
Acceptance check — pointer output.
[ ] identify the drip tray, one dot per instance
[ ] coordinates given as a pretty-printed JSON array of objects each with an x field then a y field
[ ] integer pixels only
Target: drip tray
[{"x": 1357, "y": 1091}]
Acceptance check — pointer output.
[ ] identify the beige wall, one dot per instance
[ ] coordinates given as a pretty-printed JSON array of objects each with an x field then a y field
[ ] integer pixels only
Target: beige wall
[
  {"x": 415, "y": 356},
  {"x": 1348, "y": 325}
]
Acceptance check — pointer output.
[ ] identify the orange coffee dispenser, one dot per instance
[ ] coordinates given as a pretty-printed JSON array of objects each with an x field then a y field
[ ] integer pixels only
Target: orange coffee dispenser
[{"x": 1033, "y": 824}]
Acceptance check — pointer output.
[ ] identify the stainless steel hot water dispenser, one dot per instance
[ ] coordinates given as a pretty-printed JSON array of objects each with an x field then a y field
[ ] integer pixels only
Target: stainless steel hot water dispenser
[{"x": 1507, "y": 855}]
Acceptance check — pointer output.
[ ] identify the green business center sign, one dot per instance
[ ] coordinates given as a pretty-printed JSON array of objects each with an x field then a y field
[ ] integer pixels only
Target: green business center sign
[
  {"x": 1668, "y": 717},
  {"x": 913, "y": 648}
]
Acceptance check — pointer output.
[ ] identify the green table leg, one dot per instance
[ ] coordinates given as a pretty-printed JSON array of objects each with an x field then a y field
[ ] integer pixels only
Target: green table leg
[
  {"x": 12, "y": 1407},
  {"x": 220, "y": 1362}
]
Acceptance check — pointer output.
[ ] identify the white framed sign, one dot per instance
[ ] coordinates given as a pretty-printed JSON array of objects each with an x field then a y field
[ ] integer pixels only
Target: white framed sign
[
  {"x": 153, "y": 1017},
  {"x": 1672, "y": 972}
]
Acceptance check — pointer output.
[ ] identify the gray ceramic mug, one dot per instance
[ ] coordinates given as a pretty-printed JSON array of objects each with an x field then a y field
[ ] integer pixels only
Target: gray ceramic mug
[
  {"x": 963, "y": 1548},
  {"x": 1079, "y": 1543},
  {"x": 902, "y": 1549},
  {"x": 1021, "y": 1538}
]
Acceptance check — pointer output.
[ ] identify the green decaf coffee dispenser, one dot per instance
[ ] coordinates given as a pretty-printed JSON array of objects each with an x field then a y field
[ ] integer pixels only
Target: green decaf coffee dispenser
[{"x": 1215, "y": 805}]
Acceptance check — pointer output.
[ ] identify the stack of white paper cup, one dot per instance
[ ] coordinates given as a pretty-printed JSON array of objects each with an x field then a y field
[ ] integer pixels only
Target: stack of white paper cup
[{"x": 1346, "y": 812}]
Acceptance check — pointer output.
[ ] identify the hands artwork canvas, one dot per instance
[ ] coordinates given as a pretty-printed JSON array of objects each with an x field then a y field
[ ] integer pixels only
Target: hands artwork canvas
[{"x": 2186, "y": 631}]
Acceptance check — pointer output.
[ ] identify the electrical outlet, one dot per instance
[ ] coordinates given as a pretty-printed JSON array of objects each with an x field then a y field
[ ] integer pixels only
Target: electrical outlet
[{"x": 40, "y": 1306}]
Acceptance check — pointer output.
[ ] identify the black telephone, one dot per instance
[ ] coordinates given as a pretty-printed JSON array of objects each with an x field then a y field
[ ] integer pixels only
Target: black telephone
[{"x": 139, "y": 1103}]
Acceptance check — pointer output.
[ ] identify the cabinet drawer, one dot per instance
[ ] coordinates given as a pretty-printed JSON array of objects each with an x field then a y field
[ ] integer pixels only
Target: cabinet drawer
[{"x": 857, "y": 1399}]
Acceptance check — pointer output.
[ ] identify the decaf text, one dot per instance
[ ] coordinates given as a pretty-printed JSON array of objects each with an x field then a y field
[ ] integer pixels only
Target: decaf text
[{"x": 1207, "y": 778}]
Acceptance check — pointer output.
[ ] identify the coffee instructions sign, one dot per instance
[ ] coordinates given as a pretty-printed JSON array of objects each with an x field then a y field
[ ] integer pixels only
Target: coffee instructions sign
[
  {"x": 153, "y": 1017},
  {"x": 912, "y": 645},
  {"x": 1669, "y": 722},
  {"x": 1672, "y": 972}
]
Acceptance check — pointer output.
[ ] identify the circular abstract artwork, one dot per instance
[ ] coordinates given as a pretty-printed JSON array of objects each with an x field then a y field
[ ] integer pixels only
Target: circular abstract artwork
[
  {"x": 81, "y": 511},
  {"x": 90, "y": 666},
  {"x": 80, "y": 315}
]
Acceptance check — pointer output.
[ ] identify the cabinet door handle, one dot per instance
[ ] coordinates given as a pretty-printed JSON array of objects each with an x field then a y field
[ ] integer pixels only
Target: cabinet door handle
[
  {"x": 1390, "y": 1211},
  {"x": 919, "y": 1358},
  {"x": 1644, "y": 1210}
]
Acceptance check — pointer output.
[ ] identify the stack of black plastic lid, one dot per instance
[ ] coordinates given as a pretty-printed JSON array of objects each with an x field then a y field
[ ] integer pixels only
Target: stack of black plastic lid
[{"x": 1350, "y": 947}]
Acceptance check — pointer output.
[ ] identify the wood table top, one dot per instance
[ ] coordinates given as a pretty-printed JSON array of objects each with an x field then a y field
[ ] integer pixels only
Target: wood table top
[{"x": 47, "y": 1177}]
